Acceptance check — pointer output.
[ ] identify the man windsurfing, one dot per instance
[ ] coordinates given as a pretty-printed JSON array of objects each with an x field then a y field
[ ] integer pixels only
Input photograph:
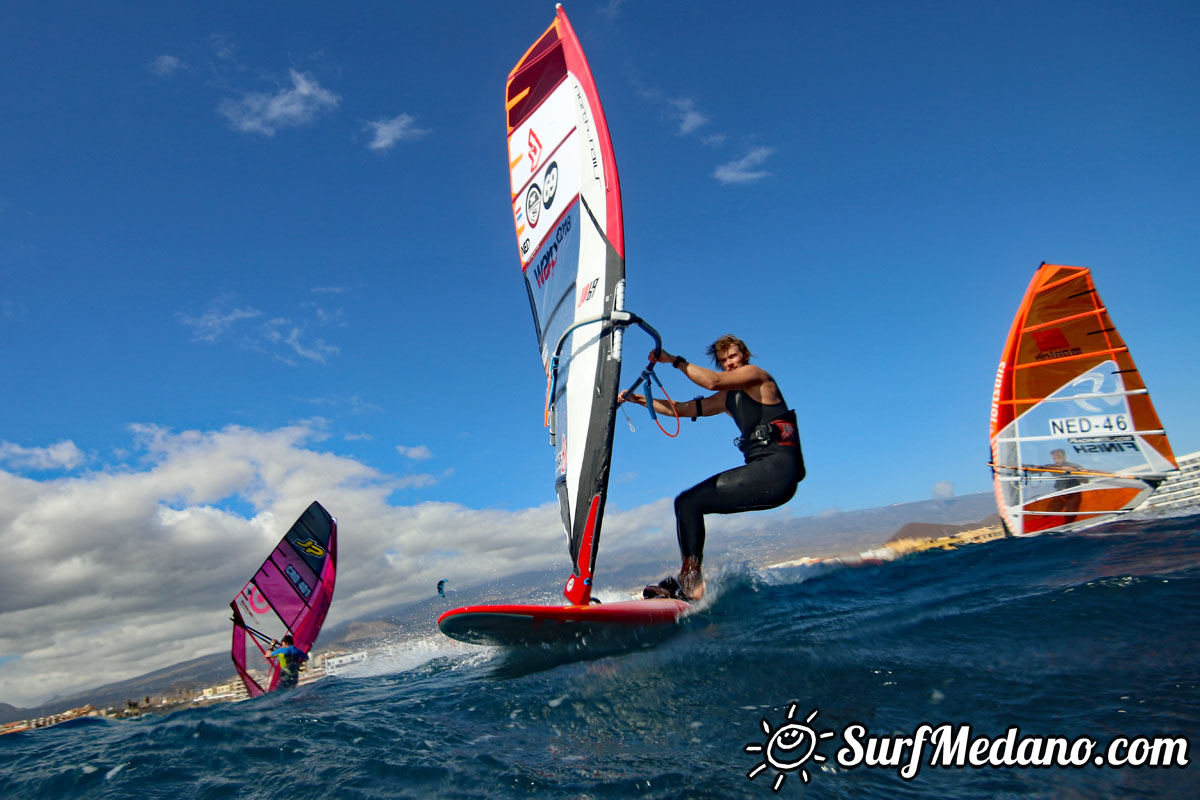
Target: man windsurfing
[
  {"x": 769, "y": 441},
  {"x": 290, "y": 659}
]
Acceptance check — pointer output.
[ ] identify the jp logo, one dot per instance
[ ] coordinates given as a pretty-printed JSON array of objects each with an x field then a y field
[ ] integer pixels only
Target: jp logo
[
  {"x": 788, "y": 748},
  {"x": 311, "y": 547}
]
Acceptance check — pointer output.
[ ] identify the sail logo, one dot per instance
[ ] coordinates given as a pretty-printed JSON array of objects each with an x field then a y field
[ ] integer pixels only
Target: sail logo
[
  {"x": 541, "y": 273},
  {"x": 996, "y": 389},
  {"x": 256, "y": 602},
  {"x": 1074, "y": 351},
  {"x": 299, "y": 582},
  {"x": 311, "y": 547},
  {"x": 587, "y": 129},
  {"x": 550, "y": 184},
  {"x": 1051, "y": 339},
  {"x": 533, "y": 205},
  {"x": 535, "y": 150},
  {"x": 539, "y": 198},
  {"x": 1052, "y": 343},
  {"x": 1096, "y": 379},
  {"x": 588, "y": 292},
  {"x": 1124, "y": 445},
  {"x": 560, "y": 458}
]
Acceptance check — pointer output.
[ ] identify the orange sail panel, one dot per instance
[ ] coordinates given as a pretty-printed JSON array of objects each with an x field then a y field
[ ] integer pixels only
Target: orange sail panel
[{"x": 1075, "y": 439}]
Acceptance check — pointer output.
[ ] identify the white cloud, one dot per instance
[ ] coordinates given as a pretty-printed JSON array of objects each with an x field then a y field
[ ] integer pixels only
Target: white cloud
[
  {"x": 386, "y": 132},
  {"x": 943, "y": 490},
  {"x": 280, "y": 337},
  {"x": 418, "y": 453},
  {"x": 224, "y": 48},
  {"x": 690, "y": 119},
  {"x": 284, "y": 332},
  {"x": 289, "y": 107},
  {"x": 610, "y": 9},
  {"x": 743, "y": 170},
  {"x": 60, "y": 455},
  {"x": 166, "y": 65},
  {"x": 214, "y": 323},
  {"x": 694, "y": 122}
]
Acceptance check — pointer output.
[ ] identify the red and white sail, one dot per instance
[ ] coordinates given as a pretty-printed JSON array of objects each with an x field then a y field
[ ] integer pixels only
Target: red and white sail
[{"x": 566, "y": 205}]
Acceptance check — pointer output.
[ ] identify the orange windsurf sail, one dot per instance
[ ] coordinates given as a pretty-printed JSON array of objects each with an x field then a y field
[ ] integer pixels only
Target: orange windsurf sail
[{"x": 1075, "y": 439}]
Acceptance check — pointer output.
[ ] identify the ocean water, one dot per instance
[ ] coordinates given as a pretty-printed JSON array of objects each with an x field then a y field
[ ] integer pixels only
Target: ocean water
[{"x": 1092, "y": 636}]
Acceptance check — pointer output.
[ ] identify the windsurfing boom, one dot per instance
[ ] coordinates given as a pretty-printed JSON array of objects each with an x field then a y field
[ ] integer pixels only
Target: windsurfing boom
[
  {"x": 290, "y": 593},
  {"x": 1075, "y": 440}
]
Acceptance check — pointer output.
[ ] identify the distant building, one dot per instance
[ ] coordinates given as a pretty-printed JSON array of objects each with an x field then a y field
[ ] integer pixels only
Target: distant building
[
  {"x": 906, "y": 545},
  {"x": 234, "y": 690},
  {"x": 1181, "y": 490},
  {"x": 336, "y": 663}
]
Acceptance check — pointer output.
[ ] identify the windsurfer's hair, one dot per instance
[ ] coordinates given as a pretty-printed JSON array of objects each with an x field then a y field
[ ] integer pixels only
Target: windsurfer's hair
[{"x": 724, "y": 343}]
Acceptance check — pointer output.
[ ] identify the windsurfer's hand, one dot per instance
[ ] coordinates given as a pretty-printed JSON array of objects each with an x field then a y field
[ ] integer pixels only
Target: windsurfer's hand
[
  {"x": 626, "y": 397},
  {"x": 661, "y": 357}
]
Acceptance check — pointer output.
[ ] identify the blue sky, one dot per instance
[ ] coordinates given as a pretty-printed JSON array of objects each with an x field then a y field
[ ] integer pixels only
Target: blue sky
[{"x": 252, "y": 256}]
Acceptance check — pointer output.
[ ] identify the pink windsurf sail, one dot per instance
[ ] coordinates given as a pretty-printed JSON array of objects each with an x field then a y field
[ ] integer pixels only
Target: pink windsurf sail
[{"x": 289, "y": 594}]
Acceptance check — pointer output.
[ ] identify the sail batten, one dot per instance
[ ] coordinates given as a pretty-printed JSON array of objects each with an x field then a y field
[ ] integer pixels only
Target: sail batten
[{"x": 1074, "y": 436}]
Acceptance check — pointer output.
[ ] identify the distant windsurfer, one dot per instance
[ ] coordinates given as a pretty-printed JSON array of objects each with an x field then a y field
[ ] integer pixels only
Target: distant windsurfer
[
  {"x": 1067, "y": 503},
  {"x": 770, "y": 442},
  {"x": 290, "y": 659}
]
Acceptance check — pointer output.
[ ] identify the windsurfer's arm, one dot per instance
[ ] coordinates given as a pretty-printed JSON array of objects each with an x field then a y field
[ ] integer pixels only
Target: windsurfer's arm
[
  {"x": 661, "y": 406},
  {"x": 746, "y": 376},
  {"x": 700, "y": 407}
]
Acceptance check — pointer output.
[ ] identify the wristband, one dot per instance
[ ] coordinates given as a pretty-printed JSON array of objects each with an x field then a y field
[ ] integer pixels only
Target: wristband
[{"x": 679, "y": 362}]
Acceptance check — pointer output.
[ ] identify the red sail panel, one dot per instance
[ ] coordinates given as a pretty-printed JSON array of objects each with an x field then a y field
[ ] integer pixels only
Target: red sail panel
[{"x": 289, "y": 594}]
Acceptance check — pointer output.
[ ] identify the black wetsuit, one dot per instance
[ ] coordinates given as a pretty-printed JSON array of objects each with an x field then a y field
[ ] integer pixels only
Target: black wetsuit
[{"x": 774, "y": 465}]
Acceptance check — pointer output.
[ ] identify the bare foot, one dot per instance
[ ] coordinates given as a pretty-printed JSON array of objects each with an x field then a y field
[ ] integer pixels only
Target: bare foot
[{"x": 690, "y": 578}]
